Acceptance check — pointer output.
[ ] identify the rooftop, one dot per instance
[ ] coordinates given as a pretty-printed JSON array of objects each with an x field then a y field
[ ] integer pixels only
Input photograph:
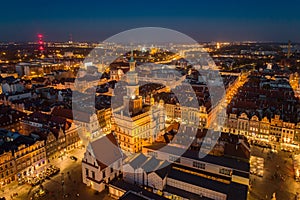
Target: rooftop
[
  {"x": 192, "y": 154},
  {"x": 109, "y": 145},
  {"x": 233, "y": 191},
  {"x": 129, "y": 187}
]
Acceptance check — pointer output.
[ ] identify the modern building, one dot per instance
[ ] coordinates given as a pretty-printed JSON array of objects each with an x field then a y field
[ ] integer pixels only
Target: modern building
[
  {"x": 189, "y": 174},
  {"x": 214, "y": 177},
  {"x": 119, "y": 189},
  {"x": 146, "y": 171}
]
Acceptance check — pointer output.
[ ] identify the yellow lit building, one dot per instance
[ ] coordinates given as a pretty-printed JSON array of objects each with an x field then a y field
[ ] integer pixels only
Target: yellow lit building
[
  {"x": 7, "y": 168},
  {"x": 187, "y": 115},
  {"x": 136, "y": 123},
  {"x": 30, "y": 159}
]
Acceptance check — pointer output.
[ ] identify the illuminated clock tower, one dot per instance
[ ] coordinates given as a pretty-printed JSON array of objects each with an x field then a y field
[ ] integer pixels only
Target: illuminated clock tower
[{"x": 133, "y": 102}]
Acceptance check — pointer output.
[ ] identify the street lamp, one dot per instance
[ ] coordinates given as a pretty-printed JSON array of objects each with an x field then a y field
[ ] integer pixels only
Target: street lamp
[{"x": 62, "y": 184}]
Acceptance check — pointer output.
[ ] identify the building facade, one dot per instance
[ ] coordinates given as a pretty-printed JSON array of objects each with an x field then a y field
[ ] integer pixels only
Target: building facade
[
  {"x": 98, "y": 168},
  {"x": 273, "y": 130},
  {"x": 30, "y": 159},
  {"x": 7, "y": 168},
  {"x": 137, "y": 124}
]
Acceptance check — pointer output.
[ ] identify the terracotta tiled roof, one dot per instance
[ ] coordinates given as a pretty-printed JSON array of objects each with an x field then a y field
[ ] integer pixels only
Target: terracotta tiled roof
[{"x": 106, "y": 150}]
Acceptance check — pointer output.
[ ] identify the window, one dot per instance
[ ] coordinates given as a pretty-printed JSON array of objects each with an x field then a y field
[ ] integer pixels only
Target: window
[
  {"x": 199, "y": 165},
  {"x": 86, "y": 172},
  {"x": 152, "y": 153},
  {"x": 103, "y": 174},
  {"x": 227, "y": 172},
  {"x": 93, "y": 175}
]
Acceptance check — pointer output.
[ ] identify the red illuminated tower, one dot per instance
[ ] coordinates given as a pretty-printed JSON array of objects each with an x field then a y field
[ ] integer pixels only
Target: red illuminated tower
[{"x": 41, "y": 45}]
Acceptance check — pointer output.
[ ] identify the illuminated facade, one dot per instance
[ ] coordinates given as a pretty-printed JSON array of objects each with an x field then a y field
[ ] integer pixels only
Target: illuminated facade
[
  {"x": 274, "y": 130},
  {"x": 63, "y": 142},
  {"x": 137, "y": 124},
  {"x": 98, "y": 168},
  {"x": 187, "y": 115},
  {"x": 30, "y": 159},
  {"x": 7, "y": 168},
  {"x": 104, "y": 118}
]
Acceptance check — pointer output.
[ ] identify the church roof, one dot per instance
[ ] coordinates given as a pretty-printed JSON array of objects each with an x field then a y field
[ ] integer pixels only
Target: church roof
[{"x": 106, "y": 150}]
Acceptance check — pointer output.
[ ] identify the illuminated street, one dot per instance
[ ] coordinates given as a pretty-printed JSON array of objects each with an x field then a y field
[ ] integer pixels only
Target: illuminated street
[
  {"x": 283, "y": 184},
  {"x": 71, "y": 173}
]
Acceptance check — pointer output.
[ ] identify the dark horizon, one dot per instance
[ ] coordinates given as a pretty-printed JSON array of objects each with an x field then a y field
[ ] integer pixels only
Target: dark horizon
[
  {"x": 203, "y": 21},
  {"x": 200, "y": 42}
]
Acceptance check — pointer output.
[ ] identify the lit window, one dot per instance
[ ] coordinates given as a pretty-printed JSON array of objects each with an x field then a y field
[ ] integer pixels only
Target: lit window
[
  {"x": 199, "y": 165},
  {"x": 227, "y": 172}
]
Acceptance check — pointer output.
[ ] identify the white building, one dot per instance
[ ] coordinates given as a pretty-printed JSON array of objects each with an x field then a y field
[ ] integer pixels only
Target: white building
[
  {"x": 102, "y": 162},
  {"x": 146, "y": 171}
]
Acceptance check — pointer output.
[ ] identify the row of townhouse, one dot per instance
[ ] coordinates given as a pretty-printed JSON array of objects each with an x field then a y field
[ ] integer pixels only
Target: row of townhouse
[
  {"x": 87, "y": 121},
  {"x": 268, "y": 130},
  {"x": 19, "y": 161},
  {"x": 186, "y": 114},
  {"x": 43, "y": 138},
  {"x": 204, "y": 116},
  {"x": 59, "y": 143},
  {"x": 21, "y": 156},
  {"x": 60, "y": 134},
  {"x": 104, "y": 116}
]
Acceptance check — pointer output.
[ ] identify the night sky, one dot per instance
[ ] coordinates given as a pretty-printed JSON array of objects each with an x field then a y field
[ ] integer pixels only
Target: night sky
[{"x": 209, "y": 20}]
